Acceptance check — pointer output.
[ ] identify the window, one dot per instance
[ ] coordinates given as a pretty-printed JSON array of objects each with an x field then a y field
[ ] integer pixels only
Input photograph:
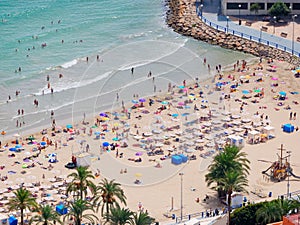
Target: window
[
  {"x": 296, "y": 6},
  {"x": 236, "y": 5}
]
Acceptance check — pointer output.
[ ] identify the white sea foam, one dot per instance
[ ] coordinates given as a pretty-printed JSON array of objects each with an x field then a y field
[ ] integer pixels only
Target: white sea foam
[{"x": 69, "y": 64}]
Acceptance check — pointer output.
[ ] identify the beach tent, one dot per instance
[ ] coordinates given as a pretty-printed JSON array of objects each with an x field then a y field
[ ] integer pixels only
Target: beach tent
[
  {"x": 12, "y": 220},
  {"x": 183, "y": 157},
  {"x": 252, "y": 135},
  {"x": 176, "y": 160},
  {"x": 289, "y": 128},
  {"x": 236, "y": 200},
  {"x": 270, "y": 131},
  {"x": 236, "y": 141},
  {"x": 83, "y": 159},
  {"x": 61, "y": 209}
]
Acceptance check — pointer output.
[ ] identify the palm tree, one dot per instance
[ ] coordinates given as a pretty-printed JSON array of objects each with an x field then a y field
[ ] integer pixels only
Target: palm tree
[
  {"x": 77, "y": 210},
  {"x": 107, "y": 194},
  {"x": 255, "y": 7},
  {"x": 274, "y": 210},
  {"x": 118, "y": 216},
  {"x": 81, "y": 181},
  {"x": 230, "y": 159},
  {"x": 22, "y": 200},
  {"x": 141, "y": 218},
  {"x": 232, "y": 181},
  {"x": 47, "y": 216},
  {"x": 268, "y": 212}
]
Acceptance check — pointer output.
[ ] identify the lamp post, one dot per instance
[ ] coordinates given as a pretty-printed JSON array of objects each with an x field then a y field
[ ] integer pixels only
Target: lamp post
[
  {"x": 293, "y": 37},
  {"x": 240, "y": 22},
  {"x": 274, "y": 24},
  {"x": 181, "y": 195},
  {"x": 227, "y": 25},
  {"x": 288, "y": 175}
]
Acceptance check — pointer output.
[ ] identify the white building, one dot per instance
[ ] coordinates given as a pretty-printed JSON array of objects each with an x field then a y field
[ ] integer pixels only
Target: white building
[{"x": 242, "y": 7}]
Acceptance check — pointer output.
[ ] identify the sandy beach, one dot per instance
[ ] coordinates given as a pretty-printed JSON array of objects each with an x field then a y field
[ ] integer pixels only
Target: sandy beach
[{"x": 193, "y": 118}]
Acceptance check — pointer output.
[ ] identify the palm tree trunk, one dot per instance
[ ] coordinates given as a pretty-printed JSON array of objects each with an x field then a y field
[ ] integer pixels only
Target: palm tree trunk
[
  {"x": 229, "y": 206},
  {"x": 22, "y": 217},
  {"x": 107, "y": 209}
]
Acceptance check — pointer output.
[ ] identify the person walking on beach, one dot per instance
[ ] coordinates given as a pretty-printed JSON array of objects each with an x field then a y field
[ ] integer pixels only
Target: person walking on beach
[{"x": 132, "y": 70}]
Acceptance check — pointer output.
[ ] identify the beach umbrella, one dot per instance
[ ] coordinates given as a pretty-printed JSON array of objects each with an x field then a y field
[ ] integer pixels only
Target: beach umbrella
[
  {"x": 185, "y": 114},
  {"x": 30, "y": 138},
  {"x": 180, "y": 86},
  {"x": 97, "y": 133},
  {"x": 274, "y": 78},
  {"x": 175, "y": 114},
  {"x": 138, "y": 153},
  {"x": 282, "y": 93},
  {"x": 138, "y": 175},
  {"x": 164, "y": 103},
  {"x": 245, "y": 91},
  {"x": 105, "y": 144},
  {"x": 257, "y": 90},
  {"x": 181, "y": 103},
  {"x": 103, "y": 114},
  {"x": 12, "y": 149},
  {"x": 135, "y": 101},
  {"x": 18, "y": 146},
  {"x": 43, "y": 143},
  {"x": 68, "y": 126},
  {"x": 142, "y": 100},
  {"x": 16, "y": 135},
  {"x": 115, "y": 139}
]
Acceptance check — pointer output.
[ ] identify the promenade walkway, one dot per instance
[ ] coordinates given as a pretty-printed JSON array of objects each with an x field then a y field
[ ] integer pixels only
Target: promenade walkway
[{"x": 211, "y": 15}]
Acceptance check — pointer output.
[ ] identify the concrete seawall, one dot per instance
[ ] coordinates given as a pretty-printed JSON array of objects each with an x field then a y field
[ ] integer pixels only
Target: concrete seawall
[{"x": 182, "y": 17}]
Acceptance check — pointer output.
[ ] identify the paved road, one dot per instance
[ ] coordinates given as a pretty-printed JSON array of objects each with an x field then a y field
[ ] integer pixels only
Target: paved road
[{"x": 211, "y": 11}]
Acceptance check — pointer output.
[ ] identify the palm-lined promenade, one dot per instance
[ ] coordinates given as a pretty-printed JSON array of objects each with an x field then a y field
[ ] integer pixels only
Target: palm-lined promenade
[{"x": 85, "y": 200}]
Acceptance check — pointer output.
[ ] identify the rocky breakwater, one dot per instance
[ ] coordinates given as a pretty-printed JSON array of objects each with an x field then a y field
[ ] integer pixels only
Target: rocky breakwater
[{"x": 182, "y": 17}]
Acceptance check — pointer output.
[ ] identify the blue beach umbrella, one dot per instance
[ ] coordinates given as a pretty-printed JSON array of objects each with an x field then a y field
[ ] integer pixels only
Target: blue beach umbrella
[
  {"x": 105, "y": 144},
  {"x": 184, "y": 114},
  {"x": 164, "y": 103},
  {"x": 115, "y": 139},
  {"x": 97, "y": 133},
  {"x": 69, "y": 126},
  {"x": 245, "y": 91},
  {"x": 175, "y": 114},
  {"x": 181, "y": 86},
  {"x": 18, "y": 146},
  {"x": 43, "y": 143},
  {"x": 103, "y": 114},
  {"x": 12, "y": 149},
  {"x": 282, "y": 93},
  {"x": 142, "y": 100},
  {"x": 135, "y": 101}
]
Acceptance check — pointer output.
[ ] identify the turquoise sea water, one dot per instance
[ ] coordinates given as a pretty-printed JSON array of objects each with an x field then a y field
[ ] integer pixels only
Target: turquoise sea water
[{"x": 125, "y": 34}]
